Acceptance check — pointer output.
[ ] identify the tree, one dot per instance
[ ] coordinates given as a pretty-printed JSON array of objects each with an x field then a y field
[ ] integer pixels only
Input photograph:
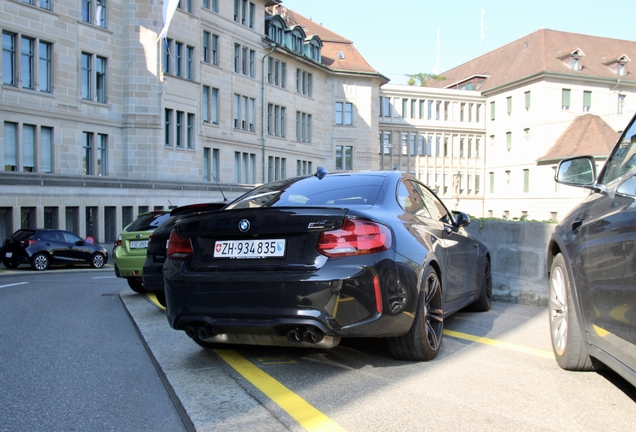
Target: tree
[{"x": 423, "y": 78}]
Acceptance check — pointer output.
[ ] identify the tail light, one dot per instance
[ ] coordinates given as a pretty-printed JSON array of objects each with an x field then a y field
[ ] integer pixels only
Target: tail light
[
  {"x": 29, "y": 242},
  {"x": 355, "y": 237},
  {"x": 149, "y": 238},
  {"x": 118, "y": 242},
  {"x": 179, "y": 248}
]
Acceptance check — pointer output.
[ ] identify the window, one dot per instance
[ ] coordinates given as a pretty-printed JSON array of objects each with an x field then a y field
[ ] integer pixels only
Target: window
[
  {"x": 210, "y": 48},
  {"x": 276, "y": 120},
  {"x": 178, "y": 59},
  {"x": 210, "y": 102},
  {"x": 276, "y": 72},
  {"x": 44, "y": 4},
  {"x": 304, "y": 82},
  {"x": 26, "y": 62},
  {"x": 491, "y": 175},
  {"x": 86, "y": 76},
  {"x": 527, "y": 99},
  {"x": 303, "y": 127},
  {"x": 508, "y": 141},
  {"x": 87, "y": 159},
  {"x": 344, "y": 113},
  {"x": 244, "y": 113},
  {"x": 94, "y": 12},
  {"x": 509, "y": 105},
  {"x": 384, "y": 106},
  {"x": 526, "y": 134},
  {"x": 210, "y": 166},
  {"x": 31, "y": 75},
  {"x": 28, "y": 148},
  {"x": 244, "y": 167},
  {"x": 462, "y": 109},
  {"x": 100, "y": 79},
  {"x": 102, "y": 148},
  {"x": 241, "y": 11},
  {"x": 587, "y": 100},
  {"x": 244, "y": 60},
  {"x": 276, "y": 168},
  {"x": 526, "y": 180},
  {"x": 168, "y": 127},
  {"x": 565, "y": 99},
  {"x": 213, "y": 5},
  {"x": 8, "y": 59},
  {"x": 344, "y": 157},
  {"x": 93, "y": 78},
  {"x": 621, "y": 104},
  {"x": 303, "y": 167},
  {"x": 405, "y": 104},
  {"x": 190, "y": 131},
  {"x": 477, "y": 184},
  {"x": 492, "y": 110},
  {"x": 179, "y": 129},
  {"x": 413, "y": 107},
  {"x": 188, "y": 5},
  {"x": 22, "y": 145},
  {"x": 189, "y": 72},
  {"x": 384, "y": 142}
]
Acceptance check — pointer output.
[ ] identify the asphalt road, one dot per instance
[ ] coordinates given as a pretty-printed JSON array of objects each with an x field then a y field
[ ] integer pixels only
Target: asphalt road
[{"x": 71, "y": 359}]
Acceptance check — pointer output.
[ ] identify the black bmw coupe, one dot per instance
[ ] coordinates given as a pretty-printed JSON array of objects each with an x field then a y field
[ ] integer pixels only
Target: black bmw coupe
[{"x": 307, "y": 261}]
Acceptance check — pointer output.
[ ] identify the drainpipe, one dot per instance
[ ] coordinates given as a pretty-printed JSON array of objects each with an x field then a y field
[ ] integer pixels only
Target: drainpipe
[{"x": 273, "y": 46}]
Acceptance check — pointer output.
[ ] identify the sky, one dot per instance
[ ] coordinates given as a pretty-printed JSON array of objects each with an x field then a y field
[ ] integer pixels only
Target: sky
[{"x": 399, "y": 37}]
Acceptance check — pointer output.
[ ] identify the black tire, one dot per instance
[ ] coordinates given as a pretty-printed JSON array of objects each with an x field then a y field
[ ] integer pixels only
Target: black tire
[
  {"x": 565, "y": 332},
  {"x": 484, "y": 302},
  {"x": 98, "y": 260},
  {"x": 423, "y": 341},
  {"x": 10, "y": 264},
  {"x": 161, "y": 297},
  {"x": 136, "y": 285},
  {"x": 40, "y": 261}
]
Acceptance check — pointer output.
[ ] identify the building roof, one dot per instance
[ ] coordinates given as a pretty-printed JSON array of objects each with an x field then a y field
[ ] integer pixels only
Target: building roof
[
  {"x": 545, "y": 51},
  {"x": 338, "y": 53},
  {"x": 587, "y": 135}
]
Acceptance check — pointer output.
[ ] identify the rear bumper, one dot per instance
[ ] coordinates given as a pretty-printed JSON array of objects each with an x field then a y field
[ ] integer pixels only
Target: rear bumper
[
  {"x": 128, "y": 266},
  {"x": 338, "y": 301}
]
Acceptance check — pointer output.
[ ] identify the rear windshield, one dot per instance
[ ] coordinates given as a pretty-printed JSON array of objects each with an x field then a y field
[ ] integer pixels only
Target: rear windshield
[
  {"x": 23, "y": 234},
  {"x": 148, "y": 222},
  {"x": 332, "y": 191}
]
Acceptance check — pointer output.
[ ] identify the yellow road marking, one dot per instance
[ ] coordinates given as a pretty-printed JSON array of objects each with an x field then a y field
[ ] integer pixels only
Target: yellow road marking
[
  {"x": 500, "y": 344},
  {"x": 306, "y": 415},
  {"x": 153, "y": 299}
]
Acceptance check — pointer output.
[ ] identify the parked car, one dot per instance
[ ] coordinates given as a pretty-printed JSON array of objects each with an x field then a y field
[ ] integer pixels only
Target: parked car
[
  {"x": 309, "y": 260},
  {"x": 130, "y": 249},
  {"x": 156, "y": 252},
  {"x": 592, "y": 261},
  {"x": 41, "y": 248}
]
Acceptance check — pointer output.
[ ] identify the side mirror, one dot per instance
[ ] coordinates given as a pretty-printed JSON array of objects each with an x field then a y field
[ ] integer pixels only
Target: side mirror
[
  {"x": 461, "y": 219},
  {"x": 80, "y": 242},
  {"x": 577, "y": 171}
]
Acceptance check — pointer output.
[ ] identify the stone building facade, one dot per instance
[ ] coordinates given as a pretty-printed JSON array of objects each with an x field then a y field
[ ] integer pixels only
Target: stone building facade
[{"x": 102, "y": 121}]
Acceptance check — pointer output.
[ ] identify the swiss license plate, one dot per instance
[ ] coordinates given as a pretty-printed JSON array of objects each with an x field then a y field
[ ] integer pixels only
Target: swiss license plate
[
  {"x": 139, "y": 244},
  {"x": 249, "y": 248},
  {"x": 8, "y": 255}
]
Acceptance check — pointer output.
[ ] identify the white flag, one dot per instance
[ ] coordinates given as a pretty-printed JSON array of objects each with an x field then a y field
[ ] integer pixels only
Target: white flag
[{"x": 169, "y": 6}]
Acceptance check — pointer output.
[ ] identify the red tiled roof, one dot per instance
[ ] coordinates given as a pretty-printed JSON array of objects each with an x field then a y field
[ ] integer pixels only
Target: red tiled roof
[
  {"x": 587, "y": 135},
  {"x": 542, "y": 51},
  {"x": 332, "y": 43}
]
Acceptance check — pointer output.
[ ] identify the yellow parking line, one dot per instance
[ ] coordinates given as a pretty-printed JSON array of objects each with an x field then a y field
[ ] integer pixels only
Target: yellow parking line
[
  {"x": 500, "y": 344},
  {"x": 306, "y": 415}
]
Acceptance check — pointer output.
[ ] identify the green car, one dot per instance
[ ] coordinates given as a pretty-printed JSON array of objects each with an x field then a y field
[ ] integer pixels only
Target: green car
[{"x": 131, "y": 246}]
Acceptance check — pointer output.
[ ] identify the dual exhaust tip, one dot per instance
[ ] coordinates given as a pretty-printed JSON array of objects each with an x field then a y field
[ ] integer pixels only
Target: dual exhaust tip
[{"x": 308, "y": 335}]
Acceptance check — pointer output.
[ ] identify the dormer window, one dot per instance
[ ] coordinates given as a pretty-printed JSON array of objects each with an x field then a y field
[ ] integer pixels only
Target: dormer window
[
  {"x": 618, "y": 65},
  {"x": 313, "y": 47},
  {"x": 573, "y": 60},
  {"x": 275, "y": 29},
  {"x": 297, "y": 36}
]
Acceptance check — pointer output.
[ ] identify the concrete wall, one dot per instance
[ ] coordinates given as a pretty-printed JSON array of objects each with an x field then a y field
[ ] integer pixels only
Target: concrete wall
[{"x": 519, "y": 265}]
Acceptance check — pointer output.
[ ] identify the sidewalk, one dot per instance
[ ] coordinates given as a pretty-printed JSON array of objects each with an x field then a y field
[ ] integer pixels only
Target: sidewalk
[{"x": 207, "y": 398}]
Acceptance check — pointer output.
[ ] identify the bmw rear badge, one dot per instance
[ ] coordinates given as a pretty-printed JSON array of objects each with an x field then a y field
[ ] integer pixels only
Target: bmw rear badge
[{"x": 244, "y": 225}]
